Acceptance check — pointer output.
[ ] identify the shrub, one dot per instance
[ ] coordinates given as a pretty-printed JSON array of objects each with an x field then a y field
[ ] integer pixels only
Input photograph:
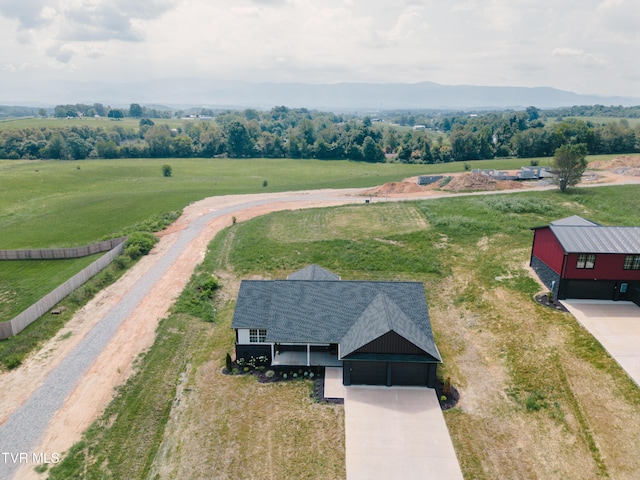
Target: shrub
[
  {"x": 265, "y": 183},
  {"x": 535, "y": 401},
  {"x": 121, "y": 262},
  {"x": 13, "y": 362},
  {"x": 270, "y": 374},
  {"x": 139, "y": 243},
  {"x": 166, "y": 170}
]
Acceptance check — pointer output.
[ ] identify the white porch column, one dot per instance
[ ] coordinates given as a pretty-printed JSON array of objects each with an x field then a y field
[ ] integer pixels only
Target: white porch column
[{"x": 308, "y": 355}]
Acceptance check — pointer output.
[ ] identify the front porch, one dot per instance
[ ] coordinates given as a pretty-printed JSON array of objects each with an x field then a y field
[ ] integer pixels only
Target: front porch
[{"x": 306, "y": 355}]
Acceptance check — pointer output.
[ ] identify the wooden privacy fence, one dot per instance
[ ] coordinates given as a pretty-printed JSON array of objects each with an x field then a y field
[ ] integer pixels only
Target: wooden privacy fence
[
  {"x": 61, "y": 253},
  {"x": 42, "y": 306}
]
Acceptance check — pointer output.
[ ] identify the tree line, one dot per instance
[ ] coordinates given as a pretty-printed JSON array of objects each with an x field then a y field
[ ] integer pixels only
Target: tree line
[{"x": 300, "y": 133}]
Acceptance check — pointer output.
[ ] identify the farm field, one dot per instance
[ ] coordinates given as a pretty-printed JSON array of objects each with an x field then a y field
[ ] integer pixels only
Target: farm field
[
  {"x": 540, "y": 398},
  {"x": 46, "y": 204},
  {"x": 104, "y": 122},
  {"x": 23, "y": 282}
]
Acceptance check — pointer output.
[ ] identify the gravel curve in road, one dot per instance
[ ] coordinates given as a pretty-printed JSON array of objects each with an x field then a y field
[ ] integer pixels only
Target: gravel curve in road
[{"x": 20, "y": 433}]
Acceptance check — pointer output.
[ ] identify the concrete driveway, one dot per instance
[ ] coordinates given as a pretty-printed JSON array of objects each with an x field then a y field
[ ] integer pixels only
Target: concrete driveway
[
  {"x": 394, "y": 432},
  {"x": 616, "y": 325}
]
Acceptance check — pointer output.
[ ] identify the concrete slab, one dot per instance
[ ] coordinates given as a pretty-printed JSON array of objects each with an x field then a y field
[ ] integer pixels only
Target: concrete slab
[
  {"x": 393, "y": 432},
  {"x": 333, "y": 387},
  {"x": 616, "y": 325},
  {"x": 397, "y": 432}
]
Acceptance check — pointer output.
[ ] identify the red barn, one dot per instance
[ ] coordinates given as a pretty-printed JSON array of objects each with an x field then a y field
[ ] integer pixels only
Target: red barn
[{"x": 577, "y": 258}]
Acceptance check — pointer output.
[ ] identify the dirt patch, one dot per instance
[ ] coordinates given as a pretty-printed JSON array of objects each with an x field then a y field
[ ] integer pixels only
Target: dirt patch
[
  {"x": 395, "y": 188},
  {"x": 479, "y": 182},
  {"x": 454, "y": 183},
  {"x": 619, "y": 165}
]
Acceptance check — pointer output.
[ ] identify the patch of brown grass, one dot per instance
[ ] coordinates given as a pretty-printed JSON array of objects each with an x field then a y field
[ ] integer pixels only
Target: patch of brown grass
[
  {"x": 533, "y": 402},
  {"x": 230, "y": 427}
]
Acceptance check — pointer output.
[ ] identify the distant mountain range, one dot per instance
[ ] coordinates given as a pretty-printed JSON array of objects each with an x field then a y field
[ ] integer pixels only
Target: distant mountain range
[{"x": 188, "y": 92}]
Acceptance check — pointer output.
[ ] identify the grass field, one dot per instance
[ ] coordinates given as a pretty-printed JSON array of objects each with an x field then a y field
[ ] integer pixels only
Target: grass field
[
  {"x": 540, "y": 397},
  {"x": 106, "y": 123},
  {"x": 18, "y": 290},
  {"x": 69, "y": 203}
]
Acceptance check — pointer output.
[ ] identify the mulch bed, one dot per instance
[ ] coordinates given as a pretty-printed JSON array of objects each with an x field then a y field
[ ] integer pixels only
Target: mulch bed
[
  {"x": 549, "y": 301},
  {"x": 447, "y": 401}
]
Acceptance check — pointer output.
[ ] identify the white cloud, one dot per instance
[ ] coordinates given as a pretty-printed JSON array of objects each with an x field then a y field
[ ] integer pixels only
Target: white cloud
[
  {"x": 487, "y": 42},
  {"x": 580, "y": 56}
]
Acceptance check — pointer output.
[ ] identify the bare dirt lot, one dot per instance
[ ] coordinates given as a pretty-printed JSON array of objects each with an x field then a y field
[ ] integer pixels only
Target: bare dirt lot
[{"x": 115, "y": 363}]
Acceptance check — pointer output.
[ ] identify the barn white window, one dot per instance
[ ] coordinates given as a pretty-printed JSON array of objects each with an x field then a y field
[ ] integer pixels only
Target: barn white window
[
  {"x": 632, "y": 262},
  {"x": 586, "y": 261},
  {"x": 257, "y": 335}
]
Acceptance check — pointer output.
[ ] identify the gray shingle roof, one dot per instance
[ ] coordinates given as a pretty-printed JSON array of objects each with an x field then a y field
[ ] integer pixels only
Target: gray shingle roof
[
  {"x": 380, "y": 317},
  {"x": 321, "y": 311},
  {"x": 313, "y": 272},
  {"x": 597, "y": 239}
]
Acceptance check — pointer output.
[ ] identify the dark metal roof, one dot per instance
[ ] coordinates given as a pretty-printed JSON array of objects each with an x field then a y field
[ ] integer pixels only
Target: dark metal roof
[
  {"x": 597, "y": 239},
  {"x": 321, "y": 311},
  {"x": 313, "y": 272}
]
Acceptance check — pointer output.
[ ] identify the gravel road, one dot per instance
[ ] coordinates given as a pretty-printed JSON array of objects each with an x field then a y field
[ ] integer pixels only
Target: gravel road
[{"x": 21, "y": 432}]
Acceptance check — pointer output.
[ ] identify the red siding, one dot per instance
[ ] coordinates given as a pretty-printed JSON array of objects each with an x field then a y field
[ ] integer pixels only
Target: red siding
[
  {"x": 547, "y": 248},
  {"x": 607, "y": 267}
]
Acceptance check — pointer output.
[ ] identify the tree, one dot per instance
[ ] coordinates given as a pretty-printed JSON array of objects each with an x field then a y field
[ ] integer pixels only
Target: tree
[
  {"x": 238, "y": 139},
  {"x": 568, "y": 165},
  {"x": 57, "y": 147},
  {"x": 371, "y": 151},
  {"x": 135, "y": 110},
  {"x": 116, "y": 113},
  {"x": 166, "y": 170}
]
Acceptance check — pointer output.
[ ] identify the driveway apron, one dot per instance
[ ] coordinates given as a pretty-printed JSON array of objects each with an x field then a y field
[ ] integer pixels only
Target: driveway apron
[
  {"x": 616, "y": 325},
  {"x": 397, "y": 432}
]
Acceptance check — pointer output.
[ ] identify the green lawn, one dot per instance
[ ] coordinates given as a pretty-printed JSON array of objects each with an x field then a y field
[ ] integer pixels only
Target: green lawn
[
  {"x": 23, "y": 282},
  {"x": 126, "y": 123},
  {"x": 69, "y": 203}
]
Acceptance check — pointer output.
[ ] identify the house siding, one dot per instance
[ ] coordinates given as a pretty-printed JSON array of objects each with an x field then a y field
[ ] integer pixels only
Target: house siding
[
  {"x": 607, "y": 267},
  {"x": 547, "y": 248},
  {"x": 391, "y": 342}
]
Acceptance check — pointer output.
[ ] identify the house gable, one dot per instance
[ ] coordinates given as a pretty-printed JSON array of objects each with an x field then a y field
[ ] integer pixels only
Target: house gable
[{"x": 383, "y": 328}]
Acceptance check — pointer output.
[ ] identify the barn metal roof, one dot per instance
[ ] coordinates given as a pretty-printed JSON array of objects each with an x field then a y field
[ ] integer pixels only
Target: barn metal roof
[
  {"x": 597, "y": 239},
  {"x": 575, "y": 220}
]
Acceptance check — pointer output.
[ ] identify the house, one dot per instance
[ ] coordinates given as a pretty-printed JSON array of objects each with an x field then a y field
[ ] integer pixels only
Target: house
[
  {"x": 379, "y": 332},
  {"x": 578, "y": 258}
]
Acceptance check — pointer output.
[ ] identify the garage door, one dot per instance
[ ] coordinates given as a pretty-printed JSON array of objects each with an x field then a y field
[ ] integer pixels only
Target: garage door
[
  {"x": 368, "y": 373},
  {"x": 402, "y": 374},
  {"x": 409, "y": 374},
  {"x": 602, "y": 290}
]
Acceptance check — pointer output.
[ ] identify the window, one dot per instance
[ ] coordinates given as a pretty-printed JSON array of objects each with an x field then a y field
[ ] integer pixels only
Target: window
[
  {"x": 586, "y": 261},
  {"x": 257, "y": 335},
  {"x": 632, "y": 262}
]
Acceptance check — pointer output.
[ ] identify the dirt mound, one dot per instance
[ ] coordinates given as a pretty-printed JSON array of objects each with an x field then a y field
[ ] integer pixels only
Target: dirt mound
[
  {"x": 479, "y": 181},
  {"x": 394, "y": 188},
  {"x": 628, "y": 165}
]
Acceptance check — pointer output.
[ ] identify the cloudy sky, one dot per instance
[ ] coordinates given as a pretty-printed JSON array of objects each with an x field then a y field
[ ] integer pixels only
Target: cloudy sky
[{"x": 585, "y": 46}]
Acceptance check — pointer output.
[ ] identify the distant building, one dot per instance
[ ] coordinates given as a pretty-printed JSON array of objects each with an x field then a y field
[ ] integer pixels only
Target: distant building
[{"x": 577, "y": 258}]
